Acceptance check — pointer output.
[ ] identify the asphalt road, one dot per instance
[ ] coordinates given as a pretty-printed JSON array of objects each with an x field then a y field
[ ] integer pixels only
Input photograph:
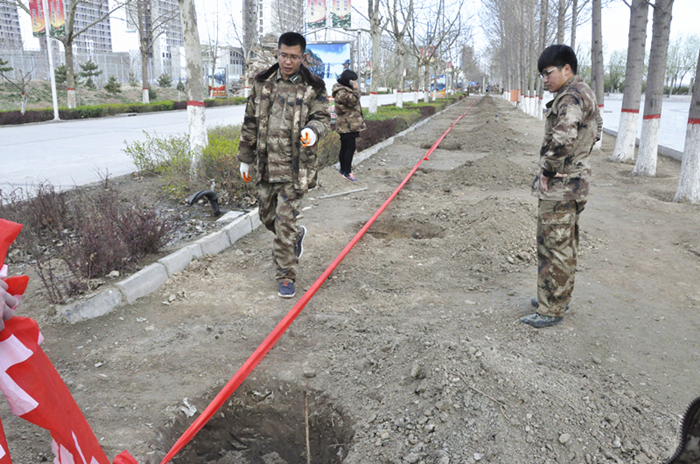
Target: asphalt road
[
  {"x": 78, "y": 152},
  {"x": 70, "y": 153}
]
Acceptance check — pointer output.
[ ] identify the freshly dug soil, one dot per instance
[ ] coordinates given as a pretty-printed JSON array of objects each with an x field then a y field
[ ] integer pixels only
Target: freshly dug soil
[{"x": 412, "y": 352}]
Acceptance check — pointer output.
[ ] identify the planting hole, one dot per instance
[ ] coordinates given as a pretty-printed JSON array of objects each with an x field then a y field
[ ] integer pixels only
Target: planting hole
[{"x": 264, "y": 423}]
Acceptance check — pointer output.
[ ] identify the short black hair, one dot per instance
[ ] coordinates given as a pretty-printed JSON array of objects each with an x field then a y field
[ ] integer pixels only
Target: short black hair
[
  {"x": 291, "y": 39},
  {"x": 559, "y": 56}
]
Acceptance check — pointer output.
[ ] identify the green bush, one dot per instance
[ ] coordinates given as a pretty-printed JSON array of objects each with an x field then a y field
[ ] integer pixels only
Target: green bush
[
  {"x": 219, "y": 157},
  {"x": 112, "y": 86},
  {"x": 152, "y": 95},
  {"x": 165, "y": 81}
]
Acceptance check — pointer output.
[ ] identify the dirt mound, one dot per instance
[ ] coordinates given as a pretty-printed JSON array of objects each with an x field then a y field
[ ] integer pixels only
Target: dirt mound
[
  {"x": 496, "y": 233},
  {"x": 491, "y": 172}
]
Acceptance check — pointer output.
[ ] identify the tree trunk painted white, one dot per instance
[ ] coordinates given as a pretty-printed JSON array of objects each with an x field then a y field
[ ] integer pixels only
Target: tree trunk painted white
[
  {"x": 195, "y": 86},
  {"x": 689, "y": 182},
  {"x": 648, "y": 148},
  {"x": 373, "y": 102},
  {"x": 653, "y": 98},
  {"x": 399, "y": 99},
  {"x": 23, "y": 103},
  {"x": 629, "y": 116}
]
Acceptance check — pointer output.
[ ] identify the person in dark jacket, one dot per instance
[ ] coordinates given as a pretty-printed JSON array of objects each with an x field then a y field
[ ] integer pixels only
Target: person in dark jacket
[{"x": 349, "y": 121}]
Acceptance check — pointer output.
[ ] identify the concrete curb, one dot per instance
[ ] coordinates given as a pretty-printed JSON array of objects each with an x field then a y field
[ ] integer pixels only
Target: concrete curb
[
  {"x": 150, "y": 278},
  {"x": 666, "y": 151}
]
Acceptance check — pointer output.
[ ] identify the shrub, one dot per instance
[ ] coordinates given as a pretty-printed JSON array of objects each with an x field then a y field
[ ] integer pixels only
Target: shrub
[
  {"x": 220, "y": 163},
  {"x": 376, "y": 131},
  {"x": 152, "y": 95},
  {"x": 180, "y": 86},
  {"x": 165, "y": 81},
  {"x": 112, "y": 86},
  {"x": 328, "y": 150},
  {"x": 60, "y": 75},
  {"x": 79, "y": 235},
  {"x": 156, "y": 155}
]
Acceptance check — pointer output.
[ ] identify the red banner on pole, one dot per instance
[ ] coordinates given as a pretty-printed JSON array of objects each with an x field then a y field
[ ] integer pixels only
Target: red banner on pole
[{"x": 38, "y": 23}]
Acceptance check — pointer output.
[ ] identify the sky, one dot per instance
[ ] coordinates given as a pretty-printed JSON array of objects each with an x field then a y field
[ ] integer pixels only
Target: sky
[{"x": 615, "y": 23}]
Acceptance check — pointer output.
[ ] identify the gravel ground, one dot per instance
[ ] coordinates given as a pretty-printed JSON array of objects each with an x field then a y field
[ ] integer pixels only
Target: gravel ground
[{"x": 412, "y": 351}]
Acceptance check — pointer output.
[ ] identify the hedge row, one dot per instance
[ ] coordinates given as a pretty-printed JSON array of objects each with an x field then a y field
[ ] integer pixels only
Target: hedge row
[{"x": 100, "y": 111}]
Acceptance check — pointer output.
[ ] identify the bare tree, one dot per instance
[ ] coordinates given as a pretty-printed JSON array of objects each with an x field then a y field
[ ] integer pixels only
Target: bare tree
[
  {"x": 20, "y": 82},
  {"x": 377, "y": 24},
  {"x": 616, "y": 69},
  {"x": 194, "y": 87},
  {"x": 681, "y": 60},
  {"x": 151, "y": 22},
  {"x": 574, "y": 19},
  {"x": 561, "y": 21},
  {"x": 653, "y": 98},
  {"x": 72, "y": 33},
  {"x": 287, "y": 16},
  {"x": 246, "y": 36},
  {"x": 634, "y": 73},
  {"x": 689, "y": 181},
  {"x": 398, "y": 31}
]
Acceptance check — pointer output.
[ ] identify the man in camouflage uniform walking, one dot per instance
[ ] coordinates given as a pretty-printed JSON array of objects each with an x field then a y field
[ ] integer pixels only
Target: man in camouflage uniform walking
[
  {"x": 573, "y": 125},
  {"x": 286, "y": 114}
]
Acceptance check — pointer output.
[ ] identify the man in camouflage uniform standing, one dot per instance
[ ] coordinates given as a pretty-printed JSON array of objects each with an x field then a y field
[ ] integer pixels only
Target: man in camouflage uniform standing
[
  {"x": 573, "y": 125},
  {"x": 286, "y": 115}
]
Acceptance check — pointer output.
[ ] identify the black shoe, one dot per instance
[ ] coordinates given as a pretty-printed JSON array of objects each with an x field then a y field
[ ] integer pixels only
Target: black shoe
[
  {"x": 286, "y": 289},
  {"x": 539, "y": 321},
  {"x": 536, "y": 304},
  {"x": 689, "y": 448},
  {"x": 299, "y": 245}
]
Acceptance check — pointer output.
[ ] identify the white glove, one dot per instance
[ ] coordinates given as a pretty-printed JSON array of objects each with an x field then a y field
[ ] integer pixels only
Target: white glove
[
  {"x": 308, "y": 137},
  {"x": 245, "y": 171}
]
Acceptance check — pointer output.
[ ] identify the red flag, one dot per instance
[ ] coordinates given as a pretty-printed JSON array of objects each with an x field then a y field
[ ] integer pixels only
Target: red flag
[
  {"x": 34, "y": 389},
  {"x": 4, "y": 450}
]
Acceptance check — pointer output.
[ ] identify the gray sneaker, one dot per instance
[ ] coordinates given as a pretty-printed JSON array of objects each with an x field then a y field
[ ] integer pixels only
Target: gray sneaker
[
  {"x": 539, "y": 321},
  {"x": 536, "y": 304}
]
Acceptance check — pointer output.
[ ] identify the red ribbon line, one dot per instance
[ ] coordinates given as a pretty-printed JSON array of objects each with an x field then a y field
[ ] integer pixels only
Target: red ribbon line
[
  {"x": 195, "y": 103},
  {"x": 652, "y": 116},
  {"x": 630, "y": 110},
  {"x": 693, "y": 121},
  {"x": 284, "y": 324}
]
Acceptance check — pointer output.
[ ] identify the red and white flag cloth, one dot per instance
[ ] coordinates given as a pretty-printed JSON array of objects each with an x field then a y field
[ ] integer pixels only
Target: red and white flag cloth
[{"x": 32, "y": 386}]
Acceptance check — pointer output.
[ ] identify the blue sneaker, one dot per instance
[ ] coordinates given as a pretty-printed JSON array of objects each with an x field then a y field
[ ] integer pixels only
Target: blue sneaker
[
  {"x": 299, "y": 245},
  {"x": 286, "y": 289}
]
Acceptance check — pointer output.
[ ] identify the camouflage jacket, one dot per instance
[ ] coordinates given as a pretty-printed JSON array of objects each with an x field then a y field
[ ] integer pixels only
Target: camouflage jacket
[
  {"x": 348, "y": 110},
  {"x": 310, "y": 111},
  {"x": 573, "y": 125}
]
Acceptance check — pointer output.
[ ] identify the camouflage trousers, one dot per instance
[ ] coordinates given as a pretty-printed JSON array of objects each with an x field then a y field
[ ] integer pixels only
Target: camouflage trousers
[
  {"x": 557, "y": 250},
  {"x": 279, "y": 206}
]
